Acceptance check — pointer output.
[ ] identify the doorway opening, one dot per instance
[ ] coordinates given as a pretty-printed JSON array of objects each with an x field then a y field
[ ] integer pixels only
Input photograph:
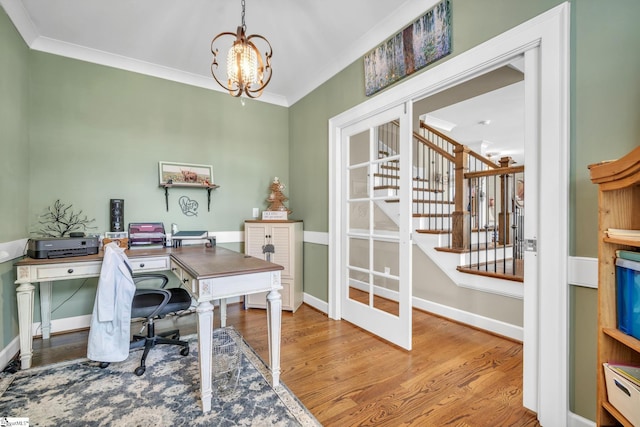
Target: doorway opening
[{"x": 543, "y": 41}]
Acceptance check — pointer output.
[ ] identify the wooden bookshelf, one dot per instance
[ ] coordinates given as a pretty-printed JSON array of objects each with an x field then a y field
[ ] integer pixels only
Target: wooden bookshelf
[{"x": 618, "y": 207}]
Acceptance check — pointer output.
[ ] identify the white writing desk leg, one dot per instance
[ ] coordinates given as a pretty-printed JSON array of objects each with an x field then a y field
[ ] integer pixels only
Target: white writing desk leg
[
  {"x": 24, "y": 294},
  {"x": 45, "y": 309},
  {"x": 205, "y": 350},
  {"x": 223, "y": 312},
  {"x": 274, "y": 326}
]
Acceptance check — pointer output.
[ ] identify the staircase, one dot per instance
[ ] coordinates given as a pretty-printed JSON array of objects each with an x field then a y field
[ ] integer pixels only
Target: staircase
[{"x": 467, "y": 215}]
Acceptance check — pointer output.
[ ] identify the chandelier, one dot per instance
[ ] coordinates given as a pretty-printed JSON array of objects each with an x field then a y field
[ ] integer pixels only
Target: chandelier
[{"x": 246, "y": 71}]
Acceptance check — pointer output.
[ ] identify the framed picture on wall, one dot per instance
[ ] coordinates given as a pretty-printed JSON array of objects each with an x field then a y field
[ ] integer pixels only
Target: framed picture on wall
[{"x": 185, "y": 174}]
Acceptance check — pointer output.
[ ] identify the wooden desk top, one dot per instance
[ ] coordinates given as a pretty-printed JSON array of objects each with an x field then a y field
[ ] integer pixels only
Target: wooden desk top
[
  {"x": 213, "y": 262},
  {"x": 199, "y": 261}
]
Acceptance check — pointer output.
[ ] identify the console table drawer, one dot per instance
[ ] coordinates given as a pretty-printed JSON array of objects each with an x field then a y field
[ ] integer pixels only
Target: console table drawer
[
  {"x": 150, "y": 264},
  {"x": 70, "y": 271},
  {"x": 185, "y": 278}
]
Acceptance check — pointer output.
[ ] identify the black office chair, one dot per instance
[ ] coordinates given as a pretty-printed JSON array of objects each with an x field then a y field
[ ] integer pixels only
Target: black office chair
[{"x": 151, "y": 304}]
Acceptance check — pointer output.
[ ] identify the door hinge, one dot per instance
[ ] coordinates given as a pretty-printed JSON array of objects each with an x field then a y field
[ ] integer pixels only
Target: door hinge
[{"x": 531, "y": 245}]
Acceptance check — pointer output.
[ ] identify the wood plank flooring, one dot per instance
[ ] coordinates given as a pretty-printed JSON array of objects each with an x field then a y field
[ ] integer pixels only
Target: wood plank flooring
[{"x": 454, "y": 376}]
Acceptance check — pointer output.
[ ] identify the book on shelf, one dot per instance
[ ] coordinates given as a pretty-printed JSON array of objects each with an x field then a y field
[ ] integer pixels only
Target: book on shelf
[
  {"x": 629, "y": 255},
  {"x": 624, "y": 233}
]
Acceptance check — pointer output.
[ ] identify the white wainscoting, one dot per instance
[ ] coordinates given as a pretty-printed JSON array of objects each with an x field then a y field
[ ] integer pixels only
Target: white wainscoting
[{"x": 12, "y": 250}]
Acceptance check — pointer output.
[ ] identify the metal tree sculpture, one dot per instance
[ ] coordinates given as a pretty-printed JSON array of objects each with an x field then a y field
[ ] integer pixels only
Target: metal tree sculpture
[{"x": 60, "y": 220}]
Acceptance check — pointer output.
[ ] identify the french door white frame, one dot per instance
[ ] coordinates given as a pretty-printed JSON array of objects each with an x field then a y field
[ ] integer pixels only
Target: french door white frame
[
  {"x": 546, "y": 321},
  {"x": 395, "y": 328}
]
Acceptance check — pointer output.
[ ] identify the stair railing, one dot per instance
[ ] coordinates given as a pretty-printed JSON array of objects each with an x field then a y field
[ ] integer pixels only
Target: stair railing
[
  {"x": 496, "y": 205},
  {"x": 388, "y": 144},
  {"x": 458, "y": 191},
  {"x": 443, "y": 163}
]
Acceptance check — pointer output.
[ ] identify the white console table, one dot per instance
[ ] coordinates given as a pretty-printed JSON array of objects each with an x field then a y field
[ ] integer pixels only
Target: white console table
[{"x": 207, "y": 273}]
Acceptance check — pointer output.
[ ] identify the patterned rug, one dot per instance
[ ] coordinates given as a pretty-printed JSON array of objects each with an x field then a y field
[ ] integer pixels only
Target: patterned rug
[{"x": 80, "y": 393}]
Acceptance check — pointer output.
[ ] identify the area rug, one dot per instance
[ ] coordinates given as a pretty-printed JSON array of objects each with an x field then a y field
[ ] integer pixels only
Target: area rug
[{"x": 80, "y": 393}]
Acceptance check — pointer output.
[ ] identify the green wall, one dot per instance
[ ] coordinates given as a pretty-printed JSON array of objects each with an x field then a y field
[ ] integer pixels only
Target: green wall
[
  {"x": 605, "y": 106},
  {"x": 14, "y": 113},
  {"x": 14, "y": 162},
  {"x": 98, "y": 133}
]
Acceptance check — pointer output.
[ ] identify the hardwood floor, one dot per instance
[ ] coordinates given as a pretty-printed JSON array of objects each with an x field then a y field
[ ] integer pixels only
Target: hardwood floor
[{"x": 454, "y": 376}]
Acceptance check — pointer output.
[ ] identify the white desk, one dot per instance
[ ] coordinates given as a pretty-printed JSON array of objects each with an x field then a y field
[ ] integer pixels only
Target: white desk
[{"x": 207, "y": 273}]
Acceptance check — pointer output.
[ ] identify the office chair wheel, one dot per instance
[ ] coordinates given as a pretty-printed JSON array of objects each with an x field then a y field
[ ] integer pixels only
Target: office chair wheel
[
  {"x": 184, "y": 351},
  {"x": 103, "y": 365},
  {"x": 140, "y": 370}
]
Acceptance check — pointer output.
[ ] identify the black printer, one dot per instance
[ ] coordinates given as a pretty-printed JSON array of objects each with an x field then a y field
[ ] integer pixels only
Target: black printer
[{"x": 62, "y": 247}]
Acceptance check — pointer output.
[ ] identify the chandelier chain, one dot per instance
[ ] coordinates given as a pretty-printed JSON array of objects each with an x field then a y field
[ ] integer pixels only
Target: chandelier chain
[{"x": 244, "y": 26}]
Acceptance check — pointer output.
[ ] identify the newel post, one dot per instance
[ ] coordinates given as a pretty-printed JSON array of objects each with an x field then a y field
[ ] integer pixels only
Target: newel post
[
  {"x": 460, "y": 220},
  {"x": 504, "y": 217}
]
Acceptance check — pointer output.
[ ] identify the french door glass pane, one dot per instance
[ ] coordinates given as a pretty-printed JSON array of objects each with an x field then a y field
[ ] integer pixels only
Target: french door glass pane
[
  {"x": 372, "y": 210},
  {"x": 359, "y": 148}
]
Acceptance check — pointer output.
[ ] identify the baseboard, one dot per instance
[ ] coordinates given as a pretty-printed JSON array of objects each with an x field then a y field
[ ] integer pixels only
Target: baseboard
[
  {"x": 475, "y": 320},
  {"x": 574, "y": 420},
  {"x": 316, "y": 303},
  {"x": 9, "y": 352},
  {"x": 66, "y": 324}
]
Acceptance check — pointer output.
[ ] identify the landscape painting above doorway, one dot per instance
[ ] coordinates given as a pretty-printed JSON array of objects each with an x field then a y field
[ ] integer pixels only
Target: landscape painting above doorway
[{"x": 423, "y": 42}]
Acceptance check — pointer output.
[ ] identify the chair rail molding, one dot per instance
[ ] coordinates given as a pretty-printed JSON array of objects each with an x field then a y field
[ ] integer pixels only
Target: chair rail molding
[{"x": 12, "y": 250}]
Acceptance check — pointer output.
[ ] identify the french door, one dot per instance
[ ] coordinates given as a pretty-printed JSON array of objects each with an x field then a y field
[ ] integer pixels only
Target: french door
[{"x": 376, "y": 225}]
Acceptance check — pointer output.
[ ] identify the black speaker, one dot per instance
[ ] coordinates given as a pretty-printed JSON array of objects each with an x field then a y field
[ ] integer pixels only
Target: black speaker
[{"x": 116, "y": 211}]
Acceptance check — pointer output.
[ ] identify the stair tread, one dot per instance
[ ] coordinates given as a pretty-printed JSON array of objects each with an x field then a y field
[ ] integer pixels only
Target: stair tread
[
  {"x": 386, "y": 175},
  {"x": 501, "y": 269},
  {"x": 430, "y": 231},
  {"x": 474, "y": 248},
  {"x": 433, "y": 190},
  {"x": 433, "y": 215},
  {"x": 425, "y": 201}
]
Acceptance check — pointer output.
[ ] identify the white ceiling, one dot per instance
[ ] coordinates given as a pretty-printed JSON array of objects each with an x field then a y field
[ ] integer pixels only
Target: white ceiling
[
  {"x": 491, "y": 124},
  {"x": 311, "y": 41}
]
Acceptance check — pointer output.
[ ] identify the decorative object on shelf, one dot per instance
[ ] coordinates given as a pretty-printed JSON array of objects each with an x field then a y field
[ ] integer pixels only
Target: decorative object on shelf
[
  {"x": 59, "y": 220},
  {"x": 276, "y": 209},
  {"x": 246, "y": 71},
  {"x": 423, "y": 42},
  {"x": 186, "y": 175}
]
